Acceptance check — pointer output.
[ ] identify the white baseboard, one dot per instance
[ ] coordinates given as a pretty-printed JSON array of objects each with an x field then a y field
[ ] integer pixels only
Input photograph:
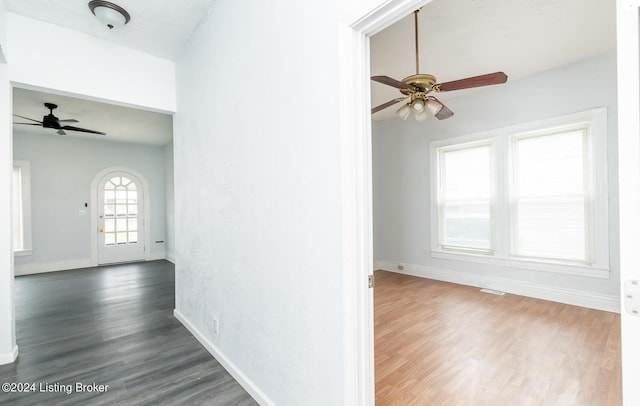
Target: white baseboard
[
  {"x": 54, "y": 266},
  {"x": 377, "y": 265},
  {"x": 562, "y": 295},
  {"x": 242, "y": 379},
  {"x": 9, "y": 357},
  {"x": 156, "y": 255},
  {"x": 170, "y": 257}
]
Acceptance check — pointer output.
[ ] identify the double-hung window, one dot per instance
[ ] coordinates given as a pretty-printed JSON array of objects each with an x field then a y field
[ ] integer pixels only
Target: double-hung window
[
  {"x": 464, "y": 203},
  {"x": 529, "y": 196},
  {"x": 551, "y": 199}
]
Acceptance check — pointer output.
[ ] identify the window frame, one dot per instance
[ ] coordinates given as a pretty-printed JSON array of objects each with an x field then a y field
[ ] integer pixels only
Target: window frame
[
  {"x": 25, "y": 195},
  {"x": 502, "y": 172},
  {"x": 440, "y": 205}
]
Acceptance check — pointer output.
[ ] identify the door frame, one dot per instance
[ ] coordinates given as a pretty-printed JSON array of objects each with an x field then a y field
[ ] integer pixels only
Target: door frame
[
  {"x": 93, "y": 206},
  {"x": 356, "y": 179},
  {"x": 628, "y": 48},
  {"x": 356, "y": 187}
]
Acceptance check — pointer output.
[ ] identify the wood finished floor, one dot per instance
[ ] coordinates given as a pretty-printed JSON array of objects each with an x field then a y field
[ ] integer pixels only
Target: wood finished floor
[
  {"x": 113, "y": 326},
  {"x": 439, "y": 343}
]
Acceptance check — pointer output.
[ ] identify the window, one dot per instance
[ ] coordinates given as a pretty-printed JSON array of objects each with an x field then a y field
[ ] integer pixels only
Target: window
[
  {"x": 465, "y": 197},
  {"x": 551, "y": 202},
  {"x": 21, "y": 215},
  {"x": 530, "y": 196},
  {"x": 120, "y": 211}
]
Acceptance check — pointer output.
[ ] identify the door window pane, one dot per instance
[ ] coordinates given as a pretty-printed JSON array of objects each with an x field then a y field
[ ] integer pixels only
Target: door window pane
[
  {"x": 120, "y": 210},
  {"x": 109, "y": 225},
  {"x": 109, "y": 238}
]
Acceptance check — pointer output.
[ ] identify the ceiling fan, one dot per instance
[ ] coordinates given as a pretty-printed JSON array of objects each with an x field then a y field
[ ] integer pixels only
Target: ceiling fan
[
  {"x": 418, "y": 89},
  {"x": 51, "y": 121}
]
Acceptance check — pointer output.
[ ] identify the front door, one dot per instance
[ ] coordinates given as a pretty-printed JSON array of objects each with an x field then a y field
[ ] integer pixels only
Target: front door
[{"x": 120, "y": 219}]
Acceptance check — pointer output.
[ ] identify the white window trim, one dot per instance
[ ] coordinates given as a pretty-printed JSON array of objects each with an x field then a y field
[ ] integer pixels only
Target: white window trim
[
  {"x": 25, "y": 174},
  {"x": 501, "y": 138},
  {"x": 439, "y": 185}
]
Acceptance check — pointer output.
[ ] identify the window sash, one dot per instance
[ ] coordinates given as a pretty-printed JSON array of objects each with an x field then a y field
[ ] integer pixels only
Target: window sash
[
  {"x": 465, "y": 222},
  {"x": 17, "y": 215},
  {"x": 552, "y": 223},
  {"x": 21, "y": 208}
]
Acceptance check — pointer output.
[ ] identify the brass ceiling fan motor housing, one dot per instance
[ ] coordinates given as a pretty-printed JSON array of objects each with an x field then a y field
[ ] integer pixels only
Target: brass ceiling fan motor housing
[{"x": 422, "y": 82}]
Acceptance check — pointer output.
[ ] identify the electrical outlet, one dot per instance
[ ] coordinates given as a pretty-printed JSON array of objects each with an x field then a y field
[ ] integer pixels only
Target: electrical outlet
[
  {"x": 400, "y": 267},
  {"x": 215, "y": 326}
]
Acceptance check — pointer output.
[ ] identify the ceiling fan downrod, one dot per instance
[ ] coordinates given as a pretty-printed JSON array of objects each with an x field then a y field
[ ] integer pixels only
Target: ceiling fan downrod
[{"x": 415, "y": 18}]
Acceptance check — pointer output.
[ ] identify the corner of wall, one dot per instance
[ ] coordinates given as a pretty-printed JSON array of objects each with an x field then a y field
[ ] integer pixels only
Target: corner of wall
[{"x": 9, "y": 357}]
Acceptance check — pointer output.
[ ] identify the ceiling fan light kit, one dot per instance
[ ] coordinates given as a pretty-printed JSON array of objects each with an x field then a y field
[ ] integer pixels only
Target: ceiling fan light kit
[
  {"x": 109, "y": 14},
  {"x": 418, "y": 88},
  {"x": 404, "y": 112}
]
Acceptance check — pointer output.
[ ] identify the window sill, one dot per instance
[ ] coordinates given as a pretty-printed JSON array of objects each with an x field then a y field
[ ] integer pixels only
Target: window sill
[
  {"x": 527, "y": 264},
  {"x": 22, "y": 253}
]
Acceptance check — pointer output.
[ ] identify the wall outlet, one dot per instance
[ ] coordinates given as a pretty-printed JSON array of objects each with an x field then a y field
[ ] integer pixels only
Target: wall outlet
[
  {"x": 400, "y": 267},
  {"x": 215, "y": 326}
]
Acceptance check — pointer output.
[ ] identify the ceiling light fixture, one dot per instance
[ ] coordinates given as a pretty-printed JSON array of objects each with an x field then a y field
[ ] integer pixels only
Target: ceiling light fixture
[
  {"x": 112, "y": 15},
  {"x": 433, "y": 106},
  {"x": 404, "y": 111}
]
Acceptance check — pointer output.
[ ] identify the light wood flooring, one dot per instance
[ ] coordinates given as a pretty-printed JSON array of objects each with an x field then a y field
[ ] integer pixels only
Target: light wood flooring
[
  {"x": 439, "y": 343},
  {"x": 112, "y": 326}
]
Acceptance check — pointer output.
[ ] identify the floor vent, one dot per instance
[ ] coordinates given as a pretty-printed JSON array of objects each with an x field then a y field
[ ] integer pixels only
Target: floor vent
[{"x": 493, "y": 292}]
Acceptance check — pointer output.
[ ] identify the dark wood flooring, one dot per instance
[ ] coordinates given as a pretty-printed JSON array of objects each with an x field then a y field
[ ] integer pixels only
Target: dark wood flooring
[{"x": 111, "y": 326}]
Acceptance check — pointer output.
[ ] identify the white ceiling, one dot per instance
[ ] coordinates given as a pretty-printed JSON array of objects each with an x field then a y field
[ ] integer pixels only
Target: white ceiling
[
  {"x": 463, "y": 38},
  {"x": 157, "y": 27},
  {"x": 121, "y": 124},
  {"x": 458, "y": 39}
]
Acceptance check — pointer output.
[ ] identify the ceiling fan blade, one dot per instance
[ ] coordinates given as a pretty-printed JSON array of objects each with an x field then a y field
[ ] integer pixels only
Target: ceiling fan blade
[
  {"x": 60, "y": 132},
  {"x": 387, "y": 104},
  {"x": 444, "y": 111},
  {"x": 84, "y": 130},
  {"x": 69, "y": 120},
  {"x": 475, "y": 81},
  {"x": 39, "y": 125},
  {"x": 386, "y": 80},
  {"x": 27, "y": 118}
]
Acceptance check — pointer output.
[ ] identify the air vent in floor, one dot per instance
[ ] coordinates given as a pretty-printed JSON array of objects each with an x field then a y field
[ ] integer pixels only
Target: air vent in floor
[{"x": 493, "y": 292}]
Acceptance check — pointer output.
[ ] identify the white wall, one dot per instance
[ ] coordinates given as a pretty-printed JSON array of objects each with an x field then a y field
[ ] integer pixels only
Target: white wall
[
  {"x": 170, "y": 233},
  {"x": 8, "y": 349},
  {"x": 401, "y": 178},
  {"x": 258, "y": 196},
  {"x": 39, "y": 55},
  {"x": 62, "y": 169}
]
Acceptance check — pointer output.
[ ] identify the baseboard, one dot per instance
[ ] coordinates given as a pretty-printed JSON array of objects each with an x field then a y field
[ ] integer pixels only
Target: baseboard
[
  {"x": 9, "y": 357},
  {"x": 54, "y": 266},
  {"x": 156, "y": 255},
  {"x": 529, "y": 289},
  {"x": 242, "y": 379},
  {"x": 170, "y": 257},
  {"x": 378, "y": 265}
]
